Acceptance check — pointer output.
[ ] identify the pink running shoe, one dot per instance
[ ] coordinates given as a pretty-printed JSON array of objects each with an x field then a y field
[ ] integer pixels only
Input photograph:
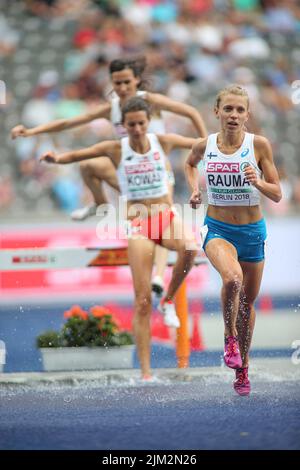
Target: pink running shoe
[
  {"x": 232, "y": 356},
  {"x": 242, "y": 383}
]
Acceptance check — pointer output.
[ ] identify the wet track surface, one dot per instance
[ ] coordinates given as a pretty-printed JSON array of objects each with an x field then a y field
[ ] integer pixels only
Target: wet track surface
[{"x": 202, "y": 414}]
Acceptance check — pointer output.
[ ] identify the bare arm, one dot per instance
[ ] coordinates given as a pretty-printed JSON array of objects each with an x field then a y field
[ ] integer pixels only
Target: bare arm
[
  {"x": 164, "y": 103},
  {"x": 62, "y": 124},
  {"x": 171, "y": 141},
  {"x": 109, "y": 148},
  {"x": 270, "y": 185},
  {"x": 192, "y": 174}
]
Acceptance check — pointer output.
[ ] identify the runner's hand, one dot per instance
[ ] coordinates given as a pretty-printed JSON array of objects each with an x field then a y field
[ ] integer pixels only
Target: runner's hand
[
  {"x": 196, "y": 199},
  {"x": 19, "y": 131},
  {"x": 251, "y": 175},
  {"x": 49, "y": 157}
]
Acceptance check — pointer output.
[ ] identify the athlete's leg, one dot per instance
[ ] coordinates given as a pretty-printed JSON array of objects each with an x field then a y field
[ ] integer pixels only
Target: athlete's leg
[
  {"x": 179, "y": 238},
  {"x": 223, "y": 256},
  {"x": 160, "y": 262},
  {"x": 95, "y": 171},
  {"x": 252, "y": 275},
  {"x": 141, "y": 256},
  {"x": 161, "y": 253}
]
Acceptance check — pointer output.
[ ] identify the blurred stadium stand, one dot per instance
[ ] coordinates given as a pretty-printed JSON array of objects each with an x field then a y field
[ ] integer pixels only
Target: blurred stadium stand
[{"x": 53, "y": 61}]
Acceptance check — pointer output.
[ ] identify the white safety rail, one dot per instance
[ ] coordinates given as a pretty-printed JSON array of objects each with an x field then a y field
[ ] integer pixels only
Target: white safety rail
[{"x": 30, "y": 259}]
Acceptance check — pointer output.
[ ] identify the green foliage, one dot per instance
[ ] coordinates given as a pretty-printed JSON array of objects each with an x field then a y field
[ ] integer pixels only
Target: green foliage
[
  {"x": 49, "y": 339},
  {"x": 82, "y": 329}
]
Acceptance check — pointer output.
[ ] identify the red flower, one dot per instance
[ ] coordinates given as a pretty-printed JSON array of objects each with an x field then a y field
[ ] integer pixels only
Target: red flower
[
  {"x": 67, "y": 314},
  {"x": 99, "y": 312},
  {"x": 76, "y": 311}
]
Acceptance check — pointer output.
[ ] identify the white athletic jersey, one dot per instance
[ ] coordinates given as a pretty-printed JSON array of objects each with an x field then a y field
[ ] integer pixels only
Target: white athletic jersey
[
  {"x": 156, "y": 124},
  {"x": 142, "y": 176},
  {"x": 225, "y": 181}
]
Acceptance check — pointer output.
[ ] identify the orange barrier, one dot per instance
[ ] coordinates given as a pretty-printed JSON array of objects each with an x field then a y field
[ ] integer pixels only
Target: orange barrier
[{"x": 183, "y": 338}]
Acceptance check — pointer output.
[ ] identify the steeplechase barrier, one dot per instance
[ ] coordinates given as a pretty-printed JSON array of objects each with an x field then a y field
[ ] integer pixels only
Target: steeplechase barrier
[{"x": 31, "y": 259}]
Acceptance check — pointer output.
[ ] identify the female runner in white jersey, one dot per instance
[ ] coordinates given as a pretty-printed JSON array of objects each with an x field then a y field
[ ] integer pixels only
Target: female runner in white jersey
[
  {"x": 238, "y": 168},
  {"x": 142, "y": 173},
  {"x": 127, "y": 79}
]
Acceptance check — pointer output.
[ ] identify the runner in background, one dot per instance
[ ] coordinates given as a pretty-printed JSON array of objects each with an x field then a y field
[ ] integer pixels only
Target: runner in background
[
  {"x": 153, "y": 221},
  {"x": 127, "y": 78}
]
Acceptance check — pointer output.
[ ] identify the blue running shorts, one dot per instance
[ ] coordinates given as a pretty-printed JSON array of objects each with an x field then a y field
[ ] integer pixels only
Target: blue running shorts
[{"x": 248, "y": 239}]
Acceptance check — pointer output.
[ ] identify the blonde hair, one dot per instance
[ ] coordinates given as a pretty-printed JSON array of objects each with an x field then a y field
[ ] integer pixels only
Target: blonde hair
[{"x": 231, "y": 90}]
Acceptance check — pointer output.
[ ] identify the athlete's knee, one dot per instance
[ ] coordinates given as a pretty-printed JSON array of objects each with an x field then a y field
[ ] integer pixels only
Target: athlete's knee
[
  {"x": 187, "y": 244},
  {"x": 233, "y": 281},
  {"x": 190, "y": 255},
  {"x": 187, "y": 248},
  {"x": 187, "y": 255},
  {"x": 85, "y": 167},
  {"x": 143, "y": 303}
]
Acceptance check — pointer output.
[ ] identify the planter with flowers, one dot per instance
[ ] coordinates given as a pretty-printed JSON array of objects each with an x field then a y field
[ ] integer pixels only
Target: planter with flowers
[{"x": 87, "y": 341}]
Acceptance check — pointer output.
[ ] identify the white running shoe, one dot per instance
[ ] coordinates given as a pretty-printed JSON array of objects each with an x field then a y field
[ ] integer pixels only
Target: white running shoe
[
  {"x": 84, "y": 212},
  {"x": 167, "y": 308},
  {"x": 150, "y": 379},
  {"x": 157, "y": 286}
]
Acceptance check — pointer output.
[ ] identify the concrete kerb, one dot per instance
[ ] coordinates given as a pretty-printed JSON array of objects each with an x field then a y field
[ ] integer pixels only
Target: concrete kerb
[
  {"x": 105, "y": 377},
  {"x": 274, "y": 369}
]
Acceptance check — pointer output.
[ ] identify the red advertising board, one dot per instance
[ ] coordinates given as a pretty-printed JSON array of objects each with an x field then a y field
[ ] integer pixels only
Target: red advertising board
[{"x": 82, "y": 282}]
